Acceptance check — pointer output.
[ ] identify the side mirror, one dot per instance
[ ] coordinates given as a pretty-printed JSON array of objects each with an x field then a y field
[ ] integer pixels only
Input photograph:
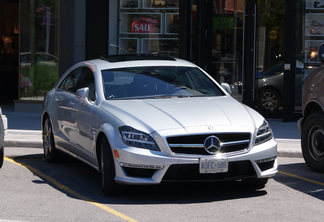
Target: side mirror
[
  {"x": 227, "y": 88},
  {"x": 83, "y": 95},
  {"x": 321, "y": 53}
]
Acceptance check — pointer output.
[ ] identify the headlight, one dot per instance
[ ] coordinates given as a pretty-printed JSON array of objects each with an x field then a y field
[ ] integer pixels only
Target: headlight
[
  {"x": 136, "y": 138},
  {"x": 264, "y": 133}
]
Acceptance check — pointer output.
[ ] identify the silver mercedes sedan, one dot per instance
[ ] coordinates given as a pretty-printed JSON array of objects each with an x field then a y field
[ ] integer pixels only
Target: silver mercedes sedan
[{"x": 147, "y": 119}]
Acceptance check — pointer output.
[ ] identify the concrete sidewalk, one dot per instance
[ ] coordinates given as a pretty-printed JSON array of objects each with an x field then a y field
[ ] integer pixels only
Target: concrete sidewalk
[{"x": 24, "y": 130}]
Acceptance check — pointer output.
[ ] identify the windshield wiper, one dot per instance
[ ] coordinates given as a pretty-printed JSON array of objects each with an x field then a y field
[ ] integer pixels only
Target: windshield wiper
[{"x": 171, "y": 96}]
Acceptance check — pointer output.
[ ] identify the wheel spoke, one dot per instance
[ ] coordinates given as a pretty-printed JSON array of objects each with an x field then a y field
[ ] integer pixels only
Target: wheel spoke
[
  {"x": 47, "y": 138},
  {"x": 50, "y": 152},
  {"x": 269, "y": 100}
]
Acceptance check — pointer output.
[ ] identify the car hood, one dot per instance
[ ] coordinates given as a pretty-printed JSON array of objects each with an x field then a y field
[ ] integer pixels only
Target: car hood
[{"x": 185, "y": 113}]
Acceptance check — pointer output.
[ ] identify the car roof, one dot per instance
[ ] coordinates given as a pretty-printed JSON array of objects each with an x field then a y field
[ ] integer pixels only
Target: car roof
[
  {"x": 137, "y": 60},
  {"x": 136, "y": 57}
]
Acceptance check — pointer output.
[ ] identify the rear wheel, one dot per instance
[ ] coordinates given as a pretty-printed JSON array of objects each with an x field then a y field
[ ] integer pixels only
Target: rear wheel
[
  {"x": 50, "y": 152},
  {"x": 269, "y": 99},
  {"x": 312, "y": 141},
  {"x": 107, "y": 166}
]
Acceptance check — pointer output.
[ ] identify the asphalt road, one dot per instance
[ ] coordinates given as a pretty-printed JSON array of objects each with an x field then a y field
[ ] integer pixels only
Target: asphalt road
[{"x": 34, "y": 190}]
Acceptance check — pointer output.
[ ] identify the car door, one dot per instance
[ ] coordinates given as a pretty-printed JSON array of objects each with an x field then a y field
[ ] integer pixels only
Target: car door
[
  {"x": 82, "y": 116},
  {"x": 74, "y": 115},
  {"x": 65, "y": 99}
]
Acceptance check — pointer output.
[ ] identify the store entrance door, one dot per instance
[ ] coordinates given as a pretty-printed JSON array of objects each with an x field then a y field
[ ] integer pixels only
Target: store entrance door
[
  {"x": 269, "y": 78},
  {"x": 247, "y": 51},
  {"x": 227, "y": 43},
  {"x": 217, "y": 40},
  {"x": 241, "y": 42}
]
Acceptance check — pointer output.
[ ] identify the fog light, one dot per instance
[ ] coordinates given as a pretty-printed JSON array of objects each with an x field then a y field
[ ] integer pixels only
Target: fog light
[
  {"x": 153, "y": 167},
  {"x": 266, "y": 164},
  {"x": 266, "y": 160}
]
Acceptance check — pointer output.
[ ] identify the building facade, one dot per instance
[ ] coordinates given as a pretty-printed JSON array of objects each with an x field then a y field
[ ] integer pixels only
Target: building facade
[{"x": 262, "y": 48}]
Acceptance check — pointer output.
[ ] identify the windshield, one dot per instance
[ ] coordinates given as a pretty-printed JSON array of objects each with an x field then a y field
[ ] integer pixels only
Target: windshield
[{"x": 157, "y": 82}]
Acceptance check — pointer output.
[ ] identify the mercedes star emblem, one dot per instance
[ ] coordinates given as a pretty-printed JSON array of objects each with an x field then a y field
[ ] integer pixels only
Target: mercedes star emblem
[{"x": 212, "y": 144}]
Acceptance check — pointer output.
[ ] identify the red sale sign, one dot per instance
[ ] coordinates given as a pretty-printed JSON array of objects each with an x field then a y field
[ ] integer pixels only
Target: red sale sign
[{"x": 144, "y": 25}]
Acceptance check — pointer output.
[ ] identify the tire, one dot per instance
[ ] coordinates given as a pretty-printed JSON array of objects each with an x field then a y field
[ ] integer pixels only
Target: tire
[
  {"x": 269, "y": 99},
  {"x": 107, "y": 167},
  {"x": 51, "y": 154},
  {"x": 255, "y": 183},
  {"x": 312, "y": 141},
  {"x": 1, "y": 156}
]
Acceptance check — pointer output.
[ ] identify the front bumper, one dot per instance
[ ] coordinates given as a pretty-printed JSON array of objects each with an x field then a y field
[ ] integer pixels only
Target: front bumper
[
  {"x": 300, "y": 124},
  {"x": 140, "y": 166}
]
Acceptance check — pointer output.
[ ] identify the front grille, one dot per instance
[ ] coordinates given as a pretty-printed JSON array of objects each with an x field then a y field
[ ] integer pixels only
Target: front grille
[
  {"x": 194, "y": 144},
  {"x": 190, "y": 172}
]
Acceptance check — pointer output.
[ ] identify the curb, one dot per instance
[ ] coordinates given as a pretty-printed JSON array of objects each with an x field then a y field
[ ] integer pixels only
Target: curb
[
  {"x": 33, "y": 139},
  {"x": 23, "y": 138},
  {"x": 289, "y": 154},
  {"x": 31, "y": 144},
  {"x": 289, "y": 148},
  {"x": 39, "y": 144}
]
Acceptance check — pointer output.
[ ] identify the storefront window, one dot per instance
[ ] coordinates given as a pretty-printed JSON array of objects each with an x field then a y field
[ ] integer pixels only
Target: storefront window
[
  {"x": 270, "y": 55},
  {"x": 310, "y": 23},
  {"x": 313, "y": 35},
  {"x": 9, "y": 50},
  {"x": 38, "y": 48},
  {"x": 227, "y": 43},
  {"x": 148, "y": 26}
]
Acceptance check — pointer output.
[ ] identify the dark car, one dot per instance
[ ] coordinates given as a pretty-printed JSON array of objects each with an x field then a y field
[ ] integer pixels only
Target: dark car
[
  {"x": 311, "y": 125},
  {"x": 271, "y": 85},
  {"x": 1, "y": 139},
  {"x": 270, "y": 90}
]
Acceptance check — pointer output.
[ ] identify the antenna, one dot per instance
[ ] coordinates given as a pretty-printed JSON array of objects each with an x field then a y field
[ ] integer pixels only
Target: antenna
[{"x": 119, "y": 48}]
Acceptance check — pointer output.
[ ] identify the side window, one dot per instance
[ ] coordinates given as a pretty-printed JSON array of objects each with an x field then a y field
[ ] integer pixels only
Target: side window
[
  {"x": 87, "y": 80},
  {"x": 70, "y": 81},
  {"x": 80, "y": 78}
]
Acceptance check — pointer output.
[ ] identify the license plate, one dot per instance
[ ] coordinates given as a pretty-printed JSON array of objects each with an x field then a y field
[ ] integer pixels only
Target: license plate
[{"x": 218, "y": 165}]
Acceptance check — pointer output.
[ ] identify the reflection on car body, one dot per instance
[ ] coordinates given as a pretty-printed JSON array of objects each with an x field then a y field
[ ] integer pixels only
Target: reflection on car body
[
  {"x": 40, "y": 58},
  {"x": 147, "y": 119}
]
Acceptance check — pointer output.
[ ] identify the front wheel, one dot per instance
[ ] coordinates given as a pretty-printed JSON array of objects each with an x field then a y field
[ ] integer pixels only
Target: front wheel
[
  {"x": 312, "y": 141},
  {"x": 107, "y": 166},
  {"x": 50, "y": 152}
]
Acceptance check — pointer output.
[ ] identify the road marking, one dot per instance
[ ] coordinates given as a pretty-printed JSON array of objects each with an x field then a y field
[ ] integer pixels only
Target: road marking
[
  {"x": 302, "y": 178},
  {"x": 72, "y": 192}
]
